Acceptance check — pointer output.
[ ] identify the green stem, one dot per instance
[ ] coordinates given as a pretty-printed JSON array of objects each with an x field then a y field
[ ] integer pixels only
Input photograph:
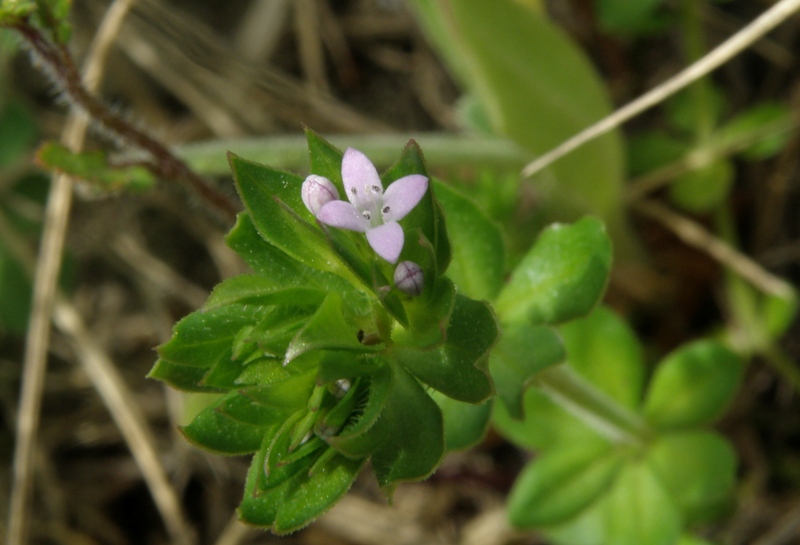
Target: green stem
[
  {"x": 694, "y": 47},
  {"x": 596, "y": 409},
  {"x": 291, "y": 152}
]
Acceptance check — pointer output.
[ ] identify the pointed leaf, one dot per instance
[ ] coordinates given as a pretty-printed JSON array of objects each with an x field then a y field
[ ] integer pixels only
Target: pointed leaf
[{"x": 212, "y": 430}]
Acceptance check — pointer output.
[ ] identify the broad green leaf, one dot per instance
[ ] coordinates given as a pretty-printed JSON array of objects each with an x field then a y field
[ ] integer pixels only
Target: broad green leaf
[
  {"x": 523, "y": 351},
  {"x": 692, "y": 385},
  {"x": 513, "y": 59},
  {"x": 561, "y": 483},
  {"x": 703, "y": 189},
  {"x": 414, "y": 443},
  {"x": 244, "y": 409},
  {"x": 635, "y": 511},
  {"x": 561, "y": 278},
  {"x": 309, "y": 496},
  {"x": 478, "y": 253},
  {"x": 604, "y": 350},
  {"x": 465, "y": 424},
  {"x": 458, "y": 367},
  {"x": 698, "y": 470},
  {"x": 290, "y": 393},
  {"x": 639, "y": 511},
  {"x": 214, "y": 431},
  {"x": 95, "y": 168}
]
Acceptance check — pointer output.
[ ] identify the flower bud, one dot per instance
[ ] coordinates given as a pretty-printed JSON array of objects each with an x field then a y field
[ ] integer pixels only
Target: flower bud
[
  {"x": 408, "y": 278},
  {"x": 318, "y": 191}
]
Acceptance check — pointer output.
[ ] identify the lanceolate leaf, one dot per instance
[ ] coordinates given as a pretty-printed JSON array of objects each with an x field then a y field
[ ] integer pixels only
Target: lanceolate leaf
[{"x": 213, "y": 430}]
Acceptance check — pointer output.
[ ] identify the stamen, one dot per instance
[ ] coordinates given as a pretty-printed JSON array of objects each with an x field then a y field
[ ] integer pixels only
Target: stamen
[
  {"x": 385, "y": 210},
  {"x": 376, "y": 189},
  {"x": 367, "y": 215},
  {"x": 353, "y": 190}
]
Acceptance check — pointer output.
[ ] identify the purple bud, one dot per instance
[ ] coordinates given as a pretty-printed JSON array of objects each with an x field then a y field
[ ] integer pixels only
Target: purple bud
[
  {"x": 408, "y": 278},
  {"x": 317, "y": 191}
]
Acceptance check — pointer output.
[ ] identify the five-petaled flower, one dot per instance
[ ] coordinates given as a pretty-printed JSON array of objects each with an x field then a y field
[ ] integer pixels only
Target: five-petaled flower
[{"x": 370, "y": 210}]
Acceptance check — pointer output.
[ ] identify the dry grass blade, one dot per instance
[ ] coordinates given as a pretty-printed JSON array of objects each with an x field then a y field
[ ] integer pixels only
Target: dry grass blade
[
  {"x": 197, "y": 65},
  {"x": 710, "y": 62},
  {"x": 695, "y": 235},
  {"x": 124, "y": 409}
]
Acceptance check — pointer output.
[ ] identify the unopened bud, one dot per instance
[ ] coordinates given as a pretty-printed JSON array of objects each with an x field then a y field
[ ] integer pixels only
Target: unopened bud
[
  {"x": 408, "y": 278},
  {"x": 318, "y": 191}
]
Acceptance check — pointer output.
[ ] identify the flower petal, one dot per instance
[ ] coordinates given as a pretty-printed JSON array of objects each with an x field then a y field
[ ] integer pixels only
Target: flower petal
[
  {"x": 361, "y": 181},
  {"x": 343, "y": 215},
  {"x": 387, "y": 240},
  {"x": 403, "y": 195}
]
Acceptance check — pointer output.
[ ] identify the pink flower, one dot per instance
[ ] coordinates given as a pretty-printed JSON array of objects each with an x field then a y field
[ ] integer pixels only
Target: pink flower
[{"x": 370, "y": 210}]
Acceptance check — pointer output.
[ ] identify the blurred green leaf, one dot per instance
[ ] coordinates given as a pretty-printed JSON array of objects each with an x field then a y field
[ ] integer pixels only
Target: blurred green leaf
[
  {"x": 477, "y": 266},
  {"x": 561, "y": 278},
  {"x": 15, "y": 294},
  {"x": 779, "y": 312},
  {"x": 692, "y": 385},
  {"x": 765, "y": 125},
  {"x": 682, "y": 113},
  {"x": 536, "y": 87},
  {"x": 523, "y": 351},
  {"x": 17, "y": 132},
  {"x": 560, "y": 483},
  {"x": 604, "y": 350},
  {"x": 703, "y": 189},
  {"x": 698, "y": 469},
  {"x": 465, "y": 424},
  {"x": 626, "y": 18},
  {"x": 95, "y": 168},
  {"x": 651, "y": 150}
]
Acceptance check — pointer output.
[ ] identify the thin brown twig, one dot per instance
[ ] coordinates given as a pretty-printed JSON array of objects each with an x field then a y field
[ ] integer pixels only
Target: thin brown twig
[
  {"x": 695, "y": 235},
  {"x": 168, "y": 166}
]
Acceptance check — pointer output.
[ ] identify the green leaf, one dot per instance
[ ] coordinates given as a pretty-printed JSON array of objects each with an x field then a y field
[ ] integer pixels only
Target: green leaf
[
  {"x": 604, "y": 350},
  {"x": 17, "y": 132},
  {"x": 272, "y": 198},
  {"x": 244, "y": 409},
  {"x": 622, "y": 17},
  {"x": 325, "y": 159},
  {"x": 328, "y": 330},
  {"x": 15, "y": 293},
  {"x": 289, "y": 393},
  {"x": 465, "y": 424},
  {"x": 766, "y": 126},
  {"x": 182, "y": 377},
  {"x": 703, "y": 189},
  {"x": 458, "y": 367},
  {"x": 309, "y": 496},
  {"x": 698, "y": 469},
  {"x": 779, "y": 312},
  {"x": 95, "y": 168},
  {"x": 427, "y": 216},
  {"x": 651, "y": 150},
  {"x": 693, "y": 385},
  {"x": 513, "y": 59},
  {"x": 562, "y": 277},
  {"x": 204, "y": 338},
  {"x": 414, "y": 443},
  {"x": 212, "y": 430},
  {"x": 258, "y": 290},
  {"x": 478, "y": 253},
  {"x": 259, "y": 508},
  {"x": 561, "y": 483},
  {"x": 523, "y": 351}
]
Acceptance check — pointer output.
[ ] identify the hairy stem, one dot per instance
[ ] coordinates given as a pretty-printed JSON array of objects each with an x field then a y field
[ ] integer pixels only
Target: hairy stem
[{"x": 58, "y": 61}]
